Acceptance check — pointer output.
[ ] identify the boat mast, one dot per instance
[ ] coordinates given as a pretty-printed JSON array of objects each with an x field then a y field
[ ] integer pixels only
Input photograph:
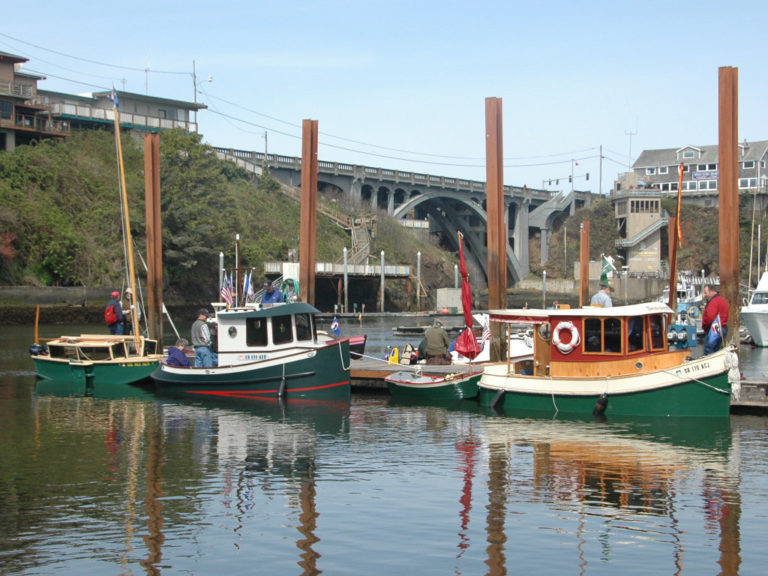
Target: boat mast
[{"x": 128, "y": 244}]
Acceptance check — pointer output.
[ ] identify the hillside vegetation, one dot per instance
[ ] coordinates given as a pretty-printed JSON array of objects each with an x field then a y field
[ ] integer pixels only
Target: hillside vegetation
[{"x": 60, "y": 222}]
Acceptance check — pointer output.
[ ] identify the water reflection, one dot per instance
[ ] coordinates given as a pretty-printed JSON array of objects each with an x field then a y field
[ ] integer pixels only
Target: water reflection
[
  {"x": 613, "y": 476},
  {"x": 167, "y": 458}
]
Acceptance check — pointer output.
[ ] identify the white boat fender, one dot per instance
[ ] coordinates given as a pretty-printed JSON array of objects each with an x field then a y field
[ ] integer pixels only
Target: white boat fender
[
  {"x": 600, "y": 405},
  {"x": 566, "y": 347}
]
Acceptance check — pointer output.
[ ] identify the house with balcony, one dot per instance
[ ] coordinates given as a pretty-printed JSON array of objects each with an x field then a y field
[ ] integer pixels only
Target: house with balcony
[
  {"x": 657, "y": 170},
  {"x": 28, "y": 113},
  {"x": 137, "y": 111},
  {"x": 22, "y": 119}
]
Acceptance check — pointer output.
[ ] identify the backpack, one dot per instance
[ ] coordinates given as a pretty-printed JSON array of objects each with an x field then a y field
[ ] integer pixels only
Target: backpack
[{"x": 110, "y": 317}]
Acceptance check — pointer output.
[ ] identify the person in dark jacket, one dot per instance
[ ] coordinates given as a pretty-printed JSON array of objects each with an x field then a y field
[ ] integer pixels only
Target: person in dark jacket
[{"x": 176, "y": 355}]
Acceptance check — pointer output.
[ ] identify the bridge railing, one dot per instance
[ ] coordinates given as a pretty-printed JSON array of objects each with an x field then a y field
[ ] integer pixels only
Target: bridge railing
[{"x": 397, "y": 176}]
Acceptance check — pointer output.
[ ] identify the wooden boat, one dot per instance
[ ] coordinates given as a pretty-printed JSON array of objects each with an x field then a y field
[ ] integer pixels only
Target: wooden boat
[
  {"x": 357, "y": 346},
  {"x": 407, "y": 384},
  {"x": 264, "y": 352},
  {"x": 754, "y": 316},
  {"x": 607, "y": 361},
  {"x": 96, "y": 359},
  {"x": 101, "y": 359}
]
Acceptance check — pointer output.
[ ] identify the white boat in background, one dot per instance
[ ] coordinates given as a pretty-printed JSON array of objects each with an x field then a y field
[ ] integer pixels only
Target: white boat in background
[{"x": 754, "y": 316}]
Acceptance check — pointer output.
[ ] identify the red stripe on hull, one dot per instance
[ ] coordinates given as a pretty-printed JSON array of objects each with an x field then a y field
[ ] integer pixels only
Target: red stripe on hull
[{"x": 260, "y": 393}]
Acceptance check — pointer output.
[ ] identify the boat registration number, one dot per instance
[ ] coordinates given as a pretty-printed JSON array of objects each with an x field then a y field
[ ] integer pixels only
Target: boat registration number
[
  {"x": 696, "y": 367},
  {"x": 253, "y": 357}
]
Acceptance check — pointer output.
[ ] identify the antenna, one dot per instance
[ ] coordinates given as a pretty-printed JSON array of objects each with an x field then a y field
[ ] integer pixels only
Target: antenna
[{"x": 630, "y": 133}]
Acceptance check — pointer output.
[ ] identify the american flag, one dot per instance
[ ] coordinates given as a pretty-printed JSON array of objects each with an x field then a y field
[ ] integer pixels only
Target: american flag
[
  {"x": 226, "y": 291},
  {"x": 485, "y": 337}
]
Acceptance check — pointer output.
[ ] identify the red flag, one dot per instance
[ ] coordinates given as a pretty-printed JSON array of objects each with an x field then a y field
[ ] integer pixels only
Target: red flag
[
  {"x": 679, "y": 202},
  {"x": 466, "y": 343}
]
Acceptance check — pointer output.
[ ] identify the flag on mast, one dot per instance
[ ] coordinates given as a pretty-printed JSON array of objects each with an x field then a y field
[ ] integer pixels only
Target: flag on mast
[
  {"x": 679, "y": 202},
  {"x": 606, "y": 268}
]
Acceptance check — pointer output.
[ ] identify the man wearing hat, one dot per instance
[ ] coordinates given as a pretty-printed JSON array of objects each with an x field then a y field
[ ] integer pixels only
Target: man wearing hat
[
  {"x": 437, "y": 344},
  {"x": 116, "y": 320},
  {"x": 201, "y": 340},
  {"x": 271, "y": 296},
  {"x": 603, "y": 296}
]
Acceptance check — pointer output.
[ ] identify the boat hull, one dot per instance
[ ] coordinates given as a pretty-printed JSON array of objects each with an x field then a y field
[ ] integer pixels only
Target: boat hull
[
  {"x": 95, "y": 373},
  {"x": 412, "y": 386},
  {"x": 696, "y": 388},
  {"x": 318, "y": 373},
  {"x": 756, "y": 322}
]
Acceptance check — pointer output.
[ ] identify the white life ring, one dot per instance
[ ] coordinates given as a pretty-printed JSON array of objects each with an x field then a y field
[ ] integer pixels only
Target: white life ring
[{"x": 566, "y": 348}]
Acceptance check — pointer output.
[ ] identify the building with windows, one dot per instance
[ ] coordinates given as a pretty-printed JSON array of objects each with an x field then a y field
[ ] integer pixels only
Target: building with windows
[
  {"x": 28, "y": 113},
  {"x": 637, "y": 195},
  {"x": 658, "y": 170},
  {"x": 22, "y": 120}
]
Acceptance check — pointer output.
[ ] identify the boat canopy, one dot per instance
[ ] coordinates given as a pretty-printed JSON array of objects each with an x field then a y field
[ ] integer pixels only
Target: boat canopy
[
  {"x": 539, "y": 315},
  {"x": 270, "y": 311}
]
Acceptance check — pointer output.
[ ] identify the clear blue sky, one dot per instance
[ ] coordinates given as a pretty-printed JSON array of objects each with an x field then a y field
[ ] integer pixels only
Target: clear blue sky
[{"x": 402, "y": 84}]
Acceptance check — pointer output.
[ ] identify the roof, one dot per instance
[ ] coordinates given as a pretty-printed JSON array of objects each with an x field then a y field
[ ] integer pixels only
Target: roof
[
  {"x": 275, "y": 310},
  {"x": 147, "y": 98},
  {"x": 708, "y": 154},
  {"x": 12, "y": 57},
  {"x": 538, "y": 315}
]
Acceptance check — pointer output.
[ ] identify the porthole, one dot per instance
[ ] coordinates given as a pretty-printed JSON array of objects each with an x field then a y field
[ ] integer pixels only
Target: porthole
[
  {"x": 232, "y": 331},
  {"x": 545, "y": 332}
]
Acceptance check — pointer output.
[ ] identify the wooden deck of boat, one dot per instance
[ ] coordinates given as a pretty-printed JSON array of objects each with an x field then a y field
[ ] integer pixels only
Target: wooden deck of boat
[{"x": 368, "y": 375}]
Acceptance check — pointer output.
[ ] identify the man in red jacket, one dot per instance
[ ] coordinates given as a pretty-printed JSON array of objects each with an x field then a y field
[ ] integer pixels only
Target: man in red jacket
[{"x": 716, "y": 305}]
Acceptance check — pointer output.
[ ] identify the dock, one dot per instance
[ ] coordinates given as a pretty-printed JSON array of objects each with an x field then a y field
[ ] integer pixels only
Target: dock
[{"x": 368, "y": 376}]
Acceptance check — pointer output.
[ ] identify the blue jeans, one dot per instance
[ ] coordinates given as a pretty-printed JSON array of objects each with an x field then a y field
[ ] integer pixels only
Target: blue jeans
[
  {"x": 117, "y": 329},
  {"x": 203, "y": 357}
]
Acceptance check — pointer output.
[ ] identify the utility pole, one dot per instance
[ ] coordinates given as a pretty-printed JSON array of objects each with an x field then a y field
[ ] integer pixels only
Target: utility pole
[{"x": 600, "y": 186}]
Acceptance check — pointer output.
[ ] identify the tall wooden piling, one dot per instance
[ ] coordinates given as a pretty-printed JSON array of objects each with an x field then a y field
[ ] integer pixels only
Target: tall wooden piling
[
  {"x": 308, "y": 233},
  {"x": 497, "y": 231},
  {"x": 154, "y": 233},
  {"x": 728, "y": 168}
]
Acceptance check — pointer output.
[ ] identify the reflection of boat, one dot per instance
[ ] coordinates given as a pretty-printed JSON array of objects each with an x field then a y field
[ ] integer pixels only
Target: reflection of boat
[
  {"x": 454, "y": 386},
  {"x": 608, "y": 361},
  {"x": 625, "y": 465},
  {"x": 69, "y": 388},
  {"x": 754, "y": 316},
  {"x": 267, "y": 352}
]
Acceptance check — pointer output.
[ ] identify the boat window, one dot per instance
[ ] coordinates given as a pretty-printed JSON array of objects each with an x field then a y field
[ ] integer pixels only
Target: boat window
[
  {"x": 282, "y": 331},
  {"x": 303, "y": 327},
  {"x": 256, "y": 332},
  {"x": 760, "y": 298},
  {"x": 602, "y": 335},
  {"x": 612, "y": 341},
  {"x": 593, "y": 335},
  {"x": 635, "y": 333},
  {"x": 656, "y": 331}
]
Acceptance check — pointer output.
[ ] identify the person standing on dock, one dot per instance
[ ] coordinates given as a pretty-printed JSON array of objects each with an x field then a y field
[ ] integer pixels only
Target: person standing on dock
[
  {"x": 437, "y": 344},
  {"x": 716, "y": 306}
]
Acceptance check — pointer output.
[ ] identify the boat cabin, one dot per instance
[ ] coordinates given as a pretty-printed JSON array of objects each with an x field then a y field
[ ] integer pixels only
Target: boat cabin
[
  {"x": 249, "y": 334},
  {"x": 99, "y": 347},
  {"x": 594, "y": 341}
]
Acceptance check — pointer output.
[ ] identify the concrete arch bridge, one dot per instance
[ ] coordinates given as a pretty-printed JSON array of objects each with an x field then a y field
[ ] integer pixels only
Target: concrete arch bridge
[{"x": 447, "y": 204}]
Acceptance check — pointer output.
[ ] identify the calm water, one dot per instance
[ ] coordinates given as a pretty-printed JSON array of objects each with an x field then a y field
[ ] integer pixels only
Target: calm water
[{"x": 132, "y": 483}]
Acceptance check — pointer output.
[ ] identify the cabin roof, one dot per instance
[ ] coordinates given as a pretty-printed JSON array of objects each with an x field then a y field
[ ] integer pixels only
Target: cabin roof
[
  {"x": 538, "y": 315},
  {"x": 268, "y": 312}
]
